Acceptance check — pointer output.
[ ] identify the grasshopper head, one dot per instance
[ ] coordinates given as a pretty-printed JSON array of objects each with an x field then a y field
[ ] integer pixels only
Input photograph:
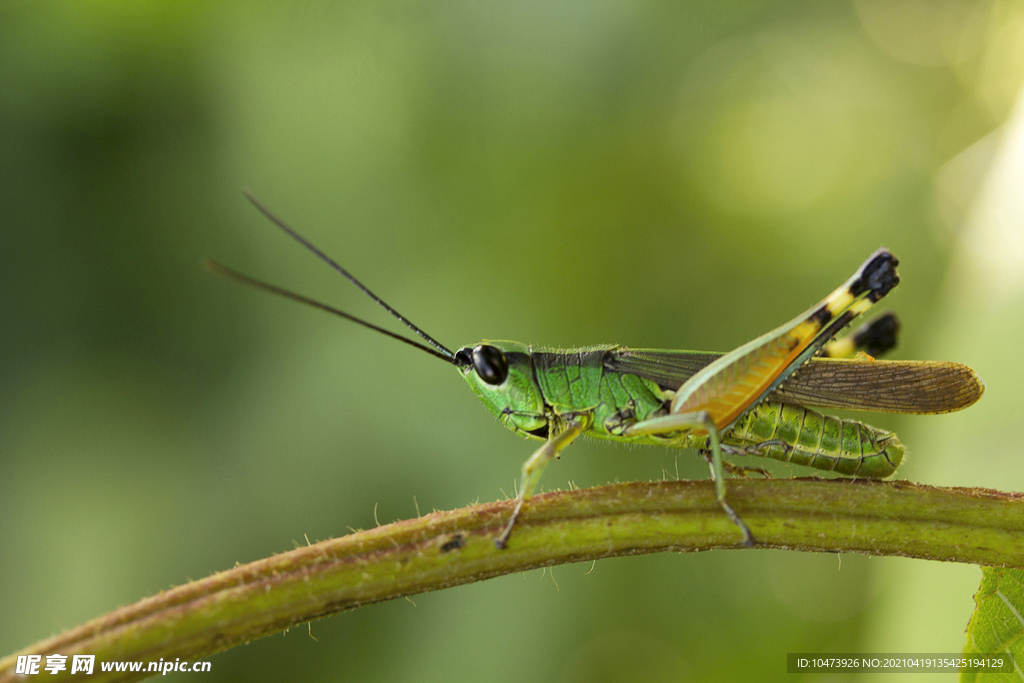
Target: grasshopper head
[{"x": 500, "y": 373}]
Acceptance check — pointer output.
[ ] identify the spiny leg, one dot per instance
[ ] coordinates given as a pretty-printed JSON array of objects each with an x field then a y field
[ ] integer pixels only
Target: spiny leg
[
  {"x": 737, "y": 470},
  {"x": 757, "y": 449},
  {"x": 532, "y": 469},
  {"x": 676, "y": 422}
]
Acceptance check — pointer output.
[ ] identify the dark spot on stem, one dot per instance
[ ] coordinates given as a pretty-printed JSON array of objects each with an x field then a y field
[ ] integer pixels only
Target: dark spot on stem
[{"x": 454, "y": 543}]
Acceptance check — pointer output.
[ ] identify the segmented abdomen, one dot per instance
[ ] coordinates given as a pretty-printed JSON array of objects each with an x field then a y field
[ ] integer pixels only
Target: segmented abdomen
[{"x": 820, "y": 441}]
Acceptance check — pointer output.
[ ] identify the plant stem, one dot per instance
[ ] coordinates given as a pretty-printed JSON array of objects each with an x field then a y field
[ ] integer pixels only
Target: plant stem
[{"x": 446, "y": 549}]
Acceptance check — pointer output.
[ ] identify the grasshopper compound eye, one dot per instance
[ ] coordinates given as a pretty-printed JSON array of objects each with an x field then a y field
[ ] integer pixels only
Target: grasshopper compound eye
[{"x": 490, "y": 364}]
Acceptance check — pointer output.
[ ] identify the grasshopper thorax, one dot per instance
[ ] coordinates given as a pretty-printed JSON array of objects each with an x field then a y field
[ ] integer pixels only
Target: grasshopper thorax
[{"x": 501, "y": 374}]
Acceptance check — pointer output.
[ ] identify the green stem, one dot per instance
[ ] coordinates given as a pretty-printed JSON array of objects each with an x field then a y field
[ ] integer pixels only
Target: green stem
[{"x": 445, "y": 549}]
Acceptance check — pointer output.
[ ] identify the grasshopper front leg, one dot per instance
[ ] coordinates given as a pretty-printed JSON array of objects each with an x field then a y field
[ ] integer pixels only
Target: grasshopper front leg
[
  {"x": 678, "y": 422},
  {"x": 532, "y": 469}
]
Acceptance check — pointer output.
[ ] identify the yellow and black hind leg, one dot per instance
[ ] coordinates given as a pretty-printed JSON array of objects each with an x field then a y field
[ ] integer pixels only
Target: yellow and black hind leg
[{"x": 875, "y": 338}]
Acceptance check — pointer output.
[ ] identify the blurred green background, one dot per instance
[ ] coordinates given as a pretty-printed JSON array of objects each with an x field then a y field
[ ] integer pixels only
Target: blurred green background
[{"x": 660, "y": 174}]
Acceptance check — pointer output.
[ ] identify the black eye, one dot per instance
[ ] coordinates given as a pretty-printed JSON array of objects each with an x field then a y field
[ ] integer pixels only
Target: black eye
[{"x": 490, "y": 363}]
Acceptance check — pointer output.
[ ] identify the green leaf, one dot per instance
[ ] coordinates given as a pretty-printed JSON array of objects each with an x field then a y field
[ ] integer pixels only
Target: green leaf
[{"x": 997, "y": 624}]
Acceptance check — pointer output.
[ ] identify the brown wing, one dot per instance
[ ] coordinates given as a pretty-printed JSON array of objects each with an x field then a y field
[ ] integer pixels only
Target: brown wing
[
  {"x": 917, "y": 387},
  {"x": 888, "y": 386}
]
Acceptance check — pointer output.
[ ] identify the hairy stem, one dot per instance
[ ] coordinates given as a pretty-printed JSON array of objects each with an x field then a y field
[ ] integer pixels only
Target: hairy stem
[{"x": 445, "y": 549}]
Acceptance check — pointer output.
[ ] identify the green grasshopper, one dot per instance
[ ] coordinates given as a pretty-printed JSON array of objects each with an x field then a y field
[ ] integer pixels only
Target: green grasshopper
[{"x": 750, "y": 401}]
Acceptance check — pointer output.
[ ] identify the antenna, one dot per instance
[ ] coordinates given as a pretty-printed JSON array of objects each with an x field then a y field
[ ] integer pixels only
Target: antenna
[
  {"x": 225, "y": 272},
  {"x": 329, "y": 261},
  {"x": 212, "y": 266}
]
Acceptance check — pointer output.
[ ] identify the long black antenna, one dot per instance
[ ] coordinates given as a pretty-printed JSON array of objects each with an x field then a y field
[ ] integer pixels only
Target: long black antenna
[
  {"x": 224, "y": 271},
  {"x": 444, "y": 352}
]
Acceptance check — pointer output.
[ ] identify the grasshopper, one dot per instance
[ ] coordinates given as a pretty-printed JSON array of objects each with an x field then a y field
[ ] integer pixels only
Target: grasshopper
[{"x": 749, "y": 401}]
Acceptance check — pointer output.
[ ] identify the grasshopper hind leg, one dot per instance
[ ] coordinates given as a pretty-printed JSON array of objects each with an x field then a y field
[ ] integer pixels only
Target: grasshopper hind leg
[
  {"x": 717, "y": 466},
  {"x": 748, "y": 538},
  {"x": 733, "y": 469},
  {"x": 677, "y": 422}
]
